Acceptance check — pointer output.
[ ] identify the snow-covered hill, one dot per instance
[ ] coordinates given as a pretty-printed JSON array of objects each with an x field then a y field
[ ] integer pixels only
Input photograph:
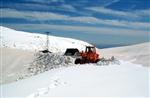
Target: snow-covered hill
[
  {"x": 31, "y": 41},
  {"x": 139, "y": 54},
  {"x": 18, "y": 49},
  {"x": 88, "y": 80}
]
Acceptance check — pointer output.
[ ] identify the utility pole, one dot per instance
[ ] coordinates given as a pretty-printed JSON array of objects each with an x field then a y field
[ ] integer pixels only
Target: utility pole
[
  {"x": 46, "y": 44},
  {"x": 47, "y": 41}
]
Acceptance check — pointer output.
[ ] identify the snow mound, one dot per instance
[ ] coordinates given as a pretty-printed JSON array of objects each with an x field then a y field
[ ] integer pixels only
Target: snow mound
[
  {"x": 35, "y": 42},
  {"x": 47, "y": 61},
  {"x": 110, "y": 61}
]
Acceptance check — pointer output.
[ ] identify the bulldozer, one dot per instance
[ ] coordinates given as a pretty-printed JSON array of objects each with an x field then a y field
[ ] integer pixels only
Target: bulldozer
[{"x": 87, "y": 56}]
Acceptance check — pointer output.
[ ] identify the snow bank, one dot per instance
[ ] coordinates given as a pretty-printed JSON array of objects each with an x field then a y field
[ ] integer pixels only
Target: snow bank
[
  {"x": 47, "y": 61},
  {"x": 14, "y": 63}
]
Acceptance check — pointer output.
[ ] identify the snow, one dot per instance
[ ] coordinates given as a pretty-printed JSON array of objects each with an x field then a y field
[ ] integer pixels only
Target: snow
[
  {"x": 89, "y": 80},
  {"x": 18, "y": 49},
  {"x": 139, "y": 54},
  {"x": 31, "y": 41}
]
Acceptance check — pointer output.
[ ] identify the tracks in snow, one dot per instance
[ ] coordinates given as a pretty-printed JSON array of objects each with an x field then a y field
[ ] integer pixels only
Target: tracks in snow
[{"x": 55, "y": 82}]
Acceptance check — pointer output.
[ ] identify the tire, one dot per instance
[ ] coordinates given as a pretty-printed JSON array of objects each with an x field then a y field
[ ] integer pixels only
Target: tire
[
  {"x": 97, "y": 60},
  {"x": 78, "y": 61}
]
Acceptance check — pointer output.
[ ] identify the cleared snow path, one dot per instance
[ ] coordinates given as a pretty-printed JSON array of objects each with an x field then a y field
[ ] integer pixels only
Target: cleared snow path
[{"x": 89, "y": 80}]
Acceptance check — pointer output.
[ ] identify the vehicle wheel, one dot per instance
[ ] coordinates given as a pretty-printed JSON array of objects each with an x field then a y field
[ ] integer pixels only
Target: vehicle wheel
[
  {"x": 78, "y": 61},
  {"x": 97, "y": 60}
]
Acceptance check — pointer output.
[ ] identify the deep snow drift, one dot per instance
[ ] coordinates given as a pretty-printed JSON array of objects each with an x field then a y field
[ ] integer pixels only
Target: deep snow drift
[{"x": 88, "y": 80}]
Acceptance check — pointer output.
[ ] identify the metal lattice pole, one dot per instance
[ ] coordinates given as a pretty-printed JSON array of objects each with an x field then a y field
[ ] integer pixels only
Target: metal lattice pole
[{"x": 47, "y": 41}]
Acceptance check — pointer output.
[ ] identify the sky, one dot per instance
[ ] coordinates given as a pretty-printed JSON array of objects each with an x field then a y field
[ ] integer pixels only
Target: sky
[{"x": 99, "y": 22}]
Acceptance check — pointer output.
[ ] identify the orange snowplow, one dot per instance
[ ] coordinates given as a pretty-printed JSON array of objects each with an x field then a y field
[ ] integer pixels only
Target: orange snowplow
[{"x": 88, "y": 56}]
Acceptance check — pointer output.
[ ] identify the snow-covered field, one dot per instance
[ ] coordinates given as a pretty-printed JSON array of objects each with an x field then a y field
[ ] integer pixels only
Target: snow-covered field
[
  {"x": 125, "y": 80},
  {"x": 88, "y": 80}
]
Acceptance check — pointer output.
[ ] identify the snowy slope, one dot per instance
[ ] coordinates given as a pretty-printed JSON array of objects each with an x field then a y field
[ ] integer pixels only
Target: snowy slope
[
  {"x": 13, "y": 63},
  {"x": 125, "y": 80},
  {"x": 31, "y": 41},
  {"x": 139, "y": 54},
  {"x": 89, "y": 80},
  {"x": 18, "y": 49}
]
